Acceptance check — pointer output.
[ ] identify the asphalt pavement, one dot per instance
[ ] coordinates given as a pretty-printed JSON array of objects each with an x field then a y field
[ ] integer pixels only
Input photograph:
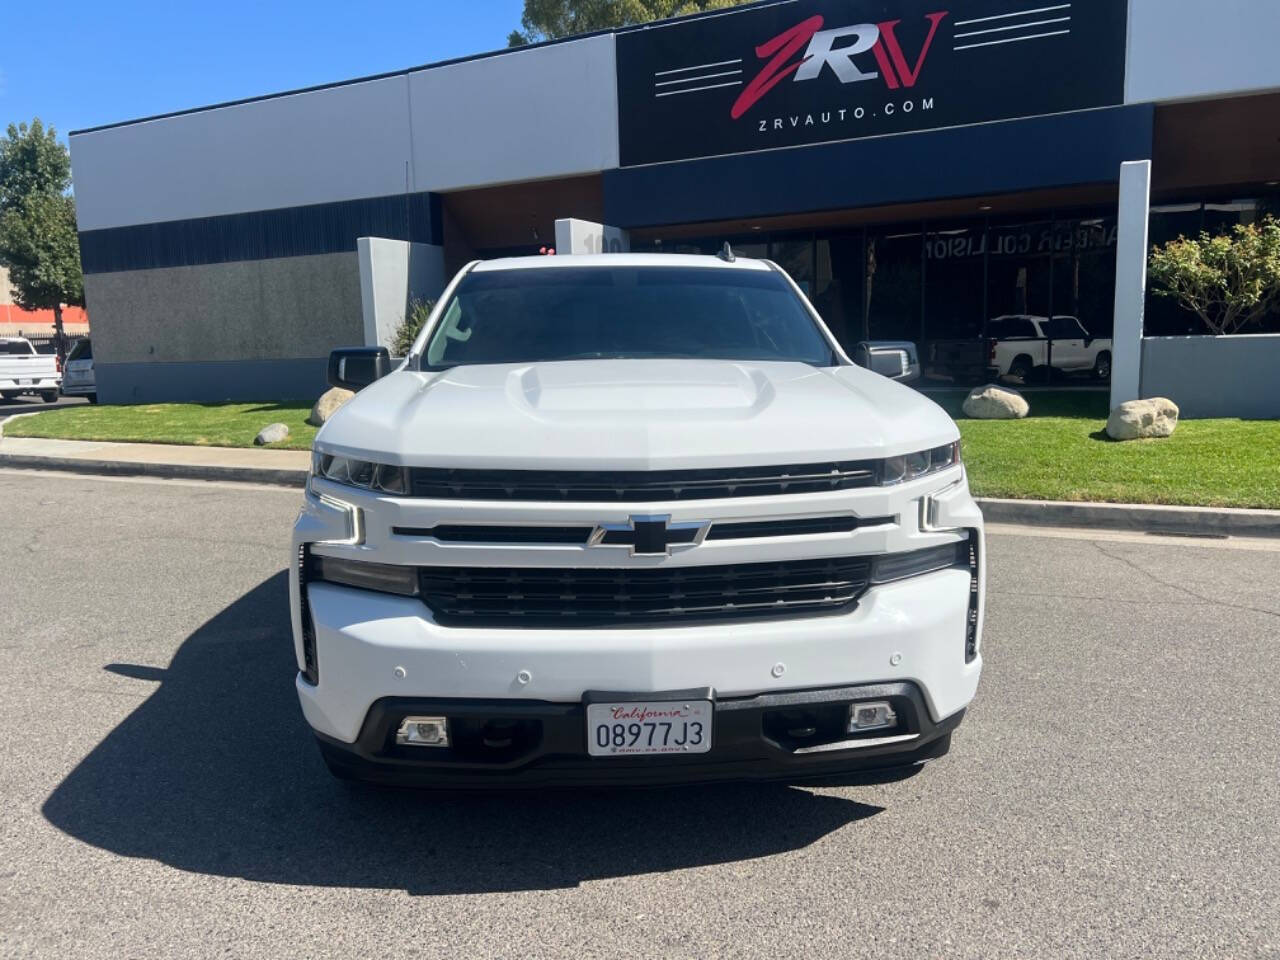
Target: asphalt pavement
[
  {"x": 9, "y": 408},
  {"x": 1112, "y": 793}
]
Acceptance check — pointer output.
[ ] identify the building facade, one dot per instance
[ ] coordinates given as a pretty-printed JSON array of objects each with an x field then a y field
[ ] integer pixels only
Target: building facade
[{"x": 947, "y": 174}]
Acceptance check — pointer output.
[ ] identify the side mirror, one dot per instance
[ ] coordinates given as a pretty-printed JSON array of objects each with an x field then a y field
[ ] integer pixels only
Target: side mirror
[
  {"x": 895, "y": 359},
  {"x": 354, "y": 368}
]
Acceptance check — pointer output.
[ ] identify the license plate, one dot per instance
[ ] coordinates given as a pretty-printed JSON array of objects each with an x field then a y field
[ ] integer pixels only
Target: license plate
[{"x": 639, "y": 728}]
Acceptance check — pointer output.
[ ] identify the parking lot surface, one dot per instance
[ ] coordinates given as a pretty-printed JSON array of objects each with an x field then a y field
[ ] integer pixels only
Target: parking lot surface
[
  {"x": 18, "y": 405},
  {"x": 1112, "y": 793}
]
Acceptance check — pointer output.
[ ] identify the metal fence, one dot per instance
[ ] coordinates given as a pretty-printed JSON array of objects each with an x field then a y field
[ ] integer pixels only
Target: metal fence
[{"x": 48, "y": 342}]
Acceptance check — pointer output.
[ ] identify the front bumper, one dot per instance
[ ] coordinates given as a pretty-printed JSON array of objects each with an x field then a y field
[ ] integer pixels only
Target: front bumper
[
  {"x": 375, "y": 648},
  {"x": 545, "y": 743}
]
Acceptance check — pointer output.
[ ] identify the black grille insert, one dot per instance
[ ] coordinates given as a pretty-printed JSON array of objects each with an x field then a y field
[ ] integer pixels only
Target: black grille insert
[
  {"x": 494, "y": 533},
  {"x": 311, "y": 668},
  {"x": 640, "y": 486},
  {"x": 578, "y": 597}
]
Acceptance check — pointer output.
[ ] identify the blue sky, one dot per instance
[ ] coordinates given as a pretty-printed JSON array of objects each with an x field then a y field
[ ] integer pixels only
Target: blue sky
[{"x": 80, "y": 64}]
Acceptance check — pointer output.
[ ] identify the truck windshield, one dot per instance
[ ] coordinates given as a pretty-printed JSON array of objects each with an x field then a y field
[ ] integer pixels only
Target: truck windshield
[{"x": 578, "y": 313}]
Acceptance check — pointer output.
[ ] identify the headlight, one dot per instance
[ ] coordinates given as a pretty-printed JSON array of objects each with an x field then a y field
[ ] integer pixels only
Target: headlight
[
  {"x": 379, "y": 477},
  {"x": 914, "y": 465}
]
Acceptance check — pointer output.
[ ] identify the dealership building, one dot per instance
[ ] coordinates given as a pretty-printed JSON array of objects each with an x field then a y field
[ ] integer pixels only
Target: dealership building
[{"x": 927, "y": 171}]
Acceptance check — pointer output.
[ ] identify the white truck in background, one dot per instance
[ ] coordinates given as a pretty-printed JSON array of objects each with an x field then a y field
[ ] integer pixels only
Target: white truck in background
[
  {"x": 23, "y": 371},
  {"x": 1021, "y": 343}
]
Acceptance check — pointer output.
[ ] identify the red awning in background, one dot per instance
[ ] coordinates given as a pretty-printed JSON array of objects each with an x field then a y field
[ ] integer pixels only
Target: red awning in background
[{"x": 41, "y": 320}]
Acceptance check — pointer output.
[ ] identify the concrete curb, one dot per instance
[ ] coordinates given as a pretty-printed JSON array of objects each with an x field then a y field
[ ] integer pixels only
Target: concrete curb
[
  {"x": 177, "y": 471},
  {"x": 1192, "y": 521}
]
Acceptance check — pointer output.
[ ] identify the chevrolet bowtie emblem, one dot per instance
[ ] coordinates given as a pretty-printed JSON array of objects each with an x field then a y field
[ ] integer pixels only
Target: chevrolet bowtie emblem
[{"x": 650, "y": 535}]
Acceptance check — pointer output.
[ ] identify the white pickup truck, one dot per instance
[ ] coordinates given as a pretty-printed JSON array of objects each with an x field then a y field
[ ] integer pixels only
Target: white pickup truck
[
  {"x": 23, "y": 371},
  {"x": 1021, "y": 343},
  {"x": 631, "y": 519}
]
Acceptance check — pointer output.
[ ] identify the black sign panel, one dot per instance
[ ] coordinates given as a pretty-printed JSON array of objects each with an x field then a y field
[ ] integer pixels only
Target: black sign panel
[{"x": 809, "y": 71}]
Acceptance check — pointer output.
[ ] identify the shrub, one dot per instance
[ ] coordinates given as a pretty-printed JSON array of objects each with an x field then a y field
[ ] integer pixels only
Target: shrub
[
  {"x": 1230, "y": 281},
  {"x": 414, "y": 319}
]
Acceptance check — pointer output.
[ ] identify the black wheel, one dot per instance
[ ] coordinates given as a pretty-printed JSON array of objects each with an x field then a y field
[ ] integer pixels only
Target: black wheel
[
  {"x": 93, "y": 398},
  {"x": 49, "y": 396},
  {"x": 1021, "y": 368},
  {"x": 1102, "y": 366},
  {"x": 9, "y": 395}
]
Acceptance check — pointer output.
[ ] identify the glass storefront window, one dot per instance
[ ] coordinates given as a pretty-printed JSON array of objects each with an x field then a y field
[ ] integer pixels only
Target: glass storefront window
[
  {"x": 1018, "y": 287},
  {"x": 891, "y": 282},
  {"x": 837, "y": 290},
  {"x": 953, "y": 350},
  {"x": 1084, "y": 286}
]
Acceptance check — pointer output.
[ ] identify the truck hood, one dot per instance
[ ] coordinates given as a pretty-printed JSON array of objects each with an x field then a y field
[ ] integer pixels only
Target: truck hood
[{"x": 633, "y": 415}]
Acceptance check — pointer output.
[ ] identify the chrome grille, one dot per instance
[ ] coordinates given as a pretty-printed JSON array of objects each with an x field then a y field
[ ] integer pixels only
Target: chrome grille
[{"x": 583, "y": 597}]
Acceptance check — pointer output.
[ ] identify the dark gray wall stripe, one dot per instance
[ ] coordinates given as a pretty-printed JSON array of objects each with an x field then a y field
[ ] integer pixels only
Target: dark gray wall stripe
[
  {"x": 263, "y": 234},
  {"x": 213, "y": 382},
  {"x": 1061, "y": 150}
]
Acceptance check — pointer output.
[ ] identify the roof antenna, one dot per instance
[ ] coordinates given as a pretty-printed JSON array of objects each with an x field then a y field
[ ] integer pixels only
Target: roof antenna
[{"x": 726, "y": 253}]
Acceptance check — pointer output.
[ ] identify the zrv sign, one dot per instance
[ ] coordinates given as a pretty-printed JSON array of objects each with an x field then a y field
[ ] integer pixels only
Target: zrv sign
[{"x": 808, "y": 71}]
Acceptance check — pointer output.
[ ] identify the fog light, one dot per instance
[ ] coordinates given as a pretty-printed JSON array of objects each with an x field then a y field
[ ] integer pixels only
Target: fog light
[
  {"x": 423, "y": 732},
  {"x": 871, "y": 715}
]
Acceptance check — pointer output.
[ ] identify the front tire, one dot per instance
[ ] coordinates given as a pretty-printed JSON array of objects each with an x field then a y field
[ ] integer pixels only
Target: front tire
[
  {"x": 49, "y": 396},
  {"x": 93, "y": 398},
  {"x": 1102, "y": 366},
  {"x": 1021, "y": 368}
]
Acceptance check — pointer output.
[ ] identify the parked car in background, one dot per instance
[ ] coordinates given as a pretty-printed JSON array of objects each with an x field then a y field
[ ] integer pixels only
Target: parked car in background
[
  {"x": 1020, "y": 343},
  {"x": 77, "y": 376},
  {"x": 23, "y": 371}
]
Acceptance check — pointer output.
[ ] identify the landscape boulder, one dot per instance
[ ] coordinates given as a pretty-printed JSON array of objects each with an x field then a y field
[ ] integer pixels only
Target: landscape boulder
[
  {"x": 1134, "y": 419},
  {"x": 328, "y": 404},
  {"x": 993, "y": 402},
  {"x": 271, "y": 433}
]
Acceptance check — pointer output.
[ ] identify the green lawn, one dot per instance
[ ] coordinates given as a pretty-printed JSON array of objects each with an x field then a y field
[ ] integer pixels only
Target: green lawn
[
  {"x": 1057, "y": 453},
  {"x": 200, "y": 424},
  {"x": 1060, "y": 452}
]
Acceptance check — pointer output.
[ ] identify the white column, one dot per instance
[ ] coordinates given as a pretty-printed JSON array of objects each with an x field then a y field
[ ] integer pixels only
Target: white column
[
  {"x": 392, "y": 273},
  {"x": 1131, "y": 281},
  {"x": 583, "y": 236}
]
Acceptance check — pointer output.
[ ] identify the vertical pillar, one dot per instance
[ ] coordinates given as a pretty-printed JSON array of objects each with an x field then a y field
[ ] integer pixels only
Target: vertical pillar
[
  {"x": 583, "y": 236},
  {"x": 1131, "y": 281},
  {"x": 392, "y": 274}
]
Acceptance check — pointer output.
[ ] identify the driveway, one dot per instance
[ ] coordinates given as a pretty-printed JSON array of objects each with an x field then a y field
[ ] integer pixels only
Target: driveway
[{"x": 1112, "y": 792}]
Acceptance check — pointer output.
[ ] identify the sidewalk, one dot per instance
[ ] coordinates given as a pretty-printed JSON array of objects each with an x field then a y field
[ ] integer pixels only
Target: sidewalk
[{"x": 290, "y": 468}]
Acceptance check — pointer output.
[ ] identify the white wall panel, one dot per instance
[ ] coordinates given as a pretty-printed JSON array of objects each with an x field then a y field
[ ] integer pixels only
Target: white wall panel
[
  {"x": 526, "y": 115},
  {"x": 1196, "y": 48},
  {"x": 340, "y": 143}
]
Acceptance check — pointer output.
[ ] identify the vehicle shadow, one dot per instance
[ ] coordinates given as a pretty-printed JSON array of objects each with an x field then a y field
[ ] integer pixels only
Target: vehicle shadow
[{"x": 217, "y": 773}]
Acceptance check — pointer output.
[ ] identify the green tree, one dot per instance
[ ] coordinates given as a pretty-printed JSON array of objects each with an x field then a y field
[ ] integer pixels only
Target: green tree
[
  {"x": 38, "y": 239},
  {"x": 552, "y": 19},
  {"x": 1230, "y": 281}
]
